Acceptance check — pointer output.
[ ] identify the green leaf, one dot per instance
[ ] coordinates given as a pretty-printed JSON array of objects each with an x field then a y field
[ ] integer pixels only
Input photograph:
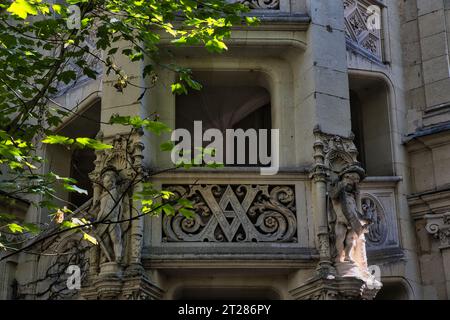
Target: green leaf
[
  {"x": 74, "y": 188},
  {"x": 189, "y": 214},
  {"x": 56, "y": 139},
  {"x": 214, "y": 45},
  {"x": 168, "y": 210},
  {"x": 57, "y": 8},
  {"x": 112, "y": 51},
  {"x": 252, "y": 21},
  {"x": 32, "y": 228},
  {"x": 185, "y": 203},
  {"x": 15, "y": 228},
  {"x": 92, "y": 144},
  {"x": 148, "y": 69},
  {"x": 67, "y": 76},
  {"x": 22, "y": 8},
  {"x": 7, "y": 216},
  {"x": 68, "y": 224},
  {"x": 89, "y": 238},
  {"x": 179, "y": 88},
  {"x": 156, "y": 127},
  {"x": 166, "y": 194},
  {"x": 90, "y": 73},
  {"x": 167, "y": 146}
]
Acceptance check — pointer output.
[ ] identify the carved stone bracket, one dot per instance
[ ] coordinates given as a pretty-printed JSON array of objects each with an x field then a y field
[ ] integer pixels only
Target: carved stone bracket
[
  {"x": 112, "y": 287},
  {"x": 439, "y": 226},
  {"x": 334, "y": 289}
]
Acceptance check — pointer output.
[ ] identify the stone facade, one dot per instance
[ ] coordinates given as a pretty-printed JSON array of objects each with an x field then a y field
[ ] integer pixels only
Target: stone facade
[{"x": 360, "y": 90}]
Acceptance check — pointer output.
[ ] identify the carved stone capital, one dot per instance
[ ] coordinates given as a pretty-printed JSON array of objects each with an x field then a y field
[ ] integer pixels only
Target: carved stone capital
[
  {"x": 439, "y": 226},
  {"x": 125, "y": 157},
  {"x": 332, "y": 153},
  {"x": 319, "y": 173}
]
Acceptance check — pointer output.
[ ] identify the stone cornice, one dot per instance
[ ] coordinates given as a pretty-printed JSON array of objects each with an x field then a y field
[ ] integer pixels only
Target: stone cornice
[
  {"x": 429, "y": 202},
  {"x": 428, "y": 138}
]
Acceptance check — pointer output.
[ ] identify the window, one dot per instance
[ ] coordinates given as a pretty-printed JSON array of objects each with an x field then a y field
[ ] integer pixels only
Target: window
[
  {"x": 77, "y": 163},
  {"x": 370, "y": 124},
  {"x": 228, "y": 100}
]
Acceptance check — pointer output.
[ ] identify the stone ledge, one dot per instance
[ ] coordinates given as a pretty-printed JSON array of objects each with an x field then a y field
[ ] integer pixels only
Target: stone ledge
[{"x": 334, "y": 289}]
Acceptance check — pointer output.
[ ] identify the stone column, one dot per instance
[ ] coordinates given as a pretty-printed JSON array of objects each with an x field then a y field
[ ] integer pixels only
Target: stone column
[
  {"x": 137, "y": 225},
  {"x": 319, "y": 176}
]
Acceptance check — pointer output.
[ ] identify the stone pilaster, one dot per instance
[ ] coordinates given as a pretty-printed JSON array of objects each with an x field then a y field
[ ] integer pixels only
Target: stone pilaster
[
  {"x": 123, "y": 278},
  {"x": 319, "y": 176},
  {"x": 439, "y": 226}
]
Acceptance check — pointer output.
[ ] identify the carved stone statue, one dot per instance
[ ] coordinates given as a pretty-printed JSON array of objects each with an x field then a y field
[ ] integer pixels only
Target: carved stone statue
[
  {"x": 109, "y": 204},
  {"x": 350, "y": 225},
  {"x": 115, "y": 170}
]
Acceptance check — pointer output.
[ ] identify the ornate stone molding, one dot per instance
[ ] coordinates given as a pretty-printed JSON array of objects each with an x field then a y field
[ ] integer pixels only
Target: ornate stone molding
[
  {"x": 332, "y": 153},
  {"x": 137, "y": 287},
  {"x": 262, "y": 4},
  {"x": 234, "y": 213},
  {"x": 439, "y": 226},
  {"x": 334, "y": 289}
]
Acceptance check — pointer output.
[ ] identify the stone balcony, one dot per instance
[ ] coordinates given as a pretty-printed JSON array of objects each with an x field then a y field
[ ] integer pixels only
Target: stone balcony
[{"x": 244, "y": 216}]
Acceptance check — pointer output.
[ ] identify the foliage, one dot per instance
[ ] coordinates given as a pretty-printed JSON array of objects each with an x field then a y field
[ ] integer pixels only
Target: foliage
[{"x": 37, "y": 50}]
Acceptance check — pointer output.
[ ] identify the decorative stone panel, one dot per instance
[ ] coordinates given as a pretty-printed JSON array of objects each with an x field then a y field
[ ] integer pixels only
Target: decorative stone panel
[
  {"x": 264, "y": 7},
  {"x": 234, "y": 214},
  {"x": 363, "y": 26},
  {"x": 262, "y": 4},
  {"x": 378, "y": 203},
  {"x": 374, "y": 211}
]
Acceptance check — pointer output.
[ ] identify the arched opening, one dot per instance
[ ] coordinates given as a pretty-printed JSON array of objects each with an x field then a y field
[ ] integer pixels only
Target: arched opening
[
  {"x": 393, "y": 291},
  {"x": 78, "y": 163},
  {"x": 369, "y": 102},
  {"x": 199, "y": 293},
  {"x": 229, "y": 100}
]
